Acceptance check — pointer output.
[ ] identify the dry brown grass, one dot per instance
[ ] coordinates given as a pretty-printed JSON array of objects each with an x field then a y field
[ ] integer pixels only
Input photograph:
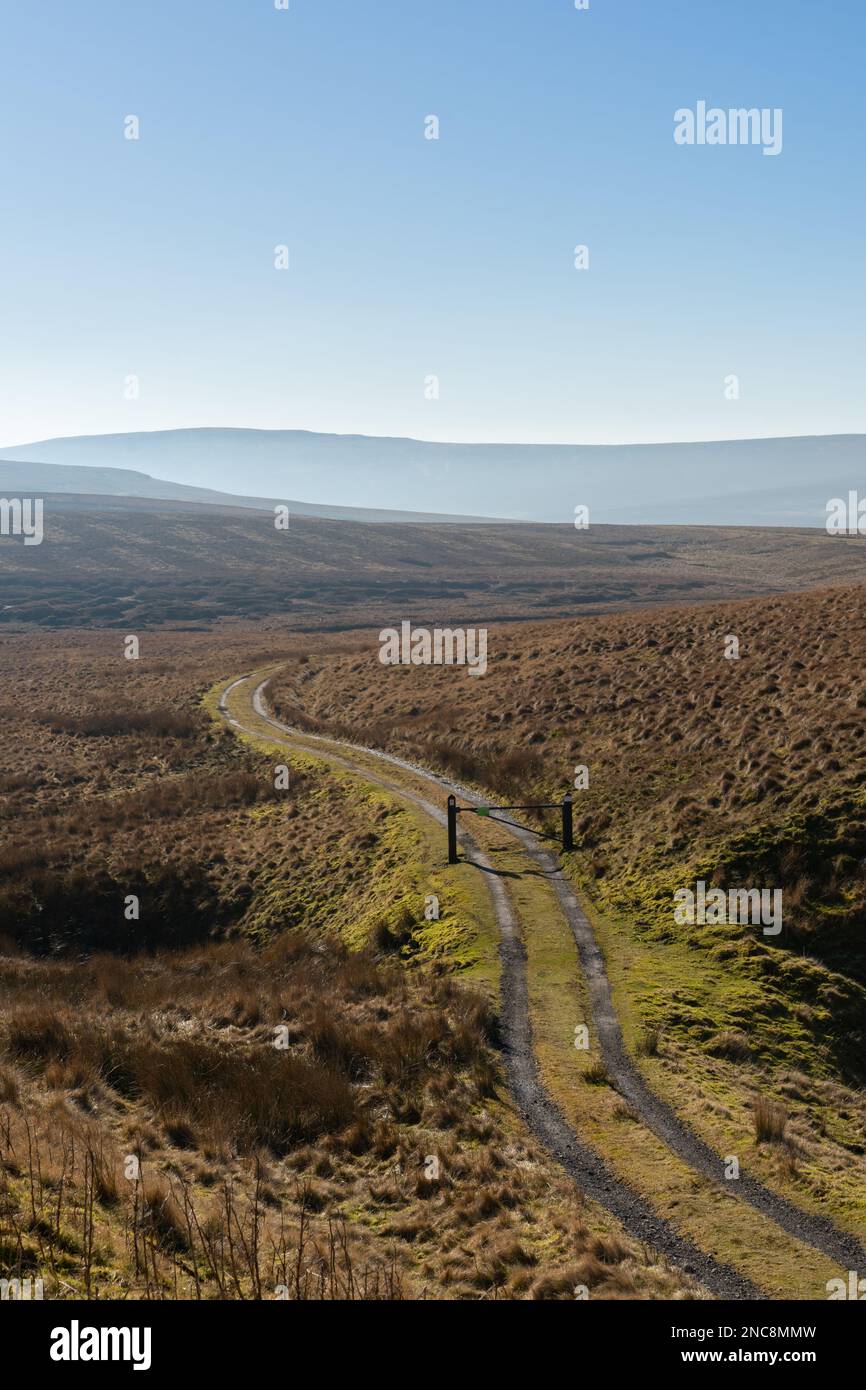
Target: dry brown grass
[
  {"x": 771, "y": 1120},
  {"x": 596, "y": 1073},
  {"x": 144, "y": 563},
  {"x": 302, "y": 1169},
  {"x": 104, "y": 723},
  {"x": 100, "y": 802},
  {"x": 746, "y": 772},
  {"x": 246, "y": 1158},
  {"x": 649, "y": 1042}
]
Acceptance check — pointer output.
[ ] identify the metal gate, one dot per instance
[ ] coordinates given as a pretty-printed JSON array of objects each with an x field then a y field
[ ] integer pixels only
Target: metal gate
[{"x": 566, "y": 806}]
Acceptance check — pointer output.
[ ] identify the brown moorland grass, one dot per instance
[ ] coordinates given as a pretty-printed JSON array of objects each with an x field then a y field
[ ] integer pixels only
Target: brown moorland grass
[
  {"x": 153, "y": 1139},
  {"x": 749, "y": 771},
  {"x": 243, "y": 1122},
  {"x": 118, "y": 784},
  {"x": 133, "y": 563},
  {"x": 745, "y": 772}
]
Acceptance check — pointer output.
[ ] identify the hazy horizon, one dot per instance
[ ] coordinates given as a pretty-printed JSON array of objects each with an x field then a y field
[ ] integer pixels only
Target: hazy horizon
[
  {"x": 5, "y": 449},
  {"x": 781, "y": 481}
]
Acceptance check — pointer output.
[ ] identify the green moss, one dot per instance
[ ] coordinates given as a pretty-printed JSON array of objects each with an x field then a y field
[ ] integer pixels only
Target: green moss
[
  {"x": 737, "y": 978},
  {"x": 394, "y": 900}
]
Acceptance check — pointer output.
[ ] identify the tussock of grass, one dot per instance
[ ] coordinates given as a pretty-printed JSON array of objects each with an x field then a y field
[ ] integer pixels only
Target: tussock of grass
[
  {"x": 649, "y": 1042},
  {"x": 741, "y": 773},
  {"x": 771, "y": 1121},
  {"x": 255, "y": 1166}
]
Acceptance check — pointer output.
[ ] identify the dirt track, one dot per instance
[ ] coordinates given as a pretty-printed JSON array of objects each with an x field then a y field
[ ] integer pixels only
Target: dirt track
[{"x": 535, "y": 1105}]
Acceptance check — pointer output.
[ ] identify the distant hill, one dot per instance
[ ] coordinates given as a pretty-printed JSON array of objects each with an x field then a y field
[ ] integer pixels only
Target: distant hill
[
  {"x": 101, "y": 483},
  {"x": 775, "y": 482}
]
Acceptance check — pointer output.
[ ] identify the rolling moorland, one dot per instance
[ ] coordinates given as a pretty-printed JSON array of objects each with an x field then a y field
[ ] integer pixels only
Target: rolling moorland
[
  {"x": 260, "y": 1173},
  {"x": 744, "y": 772},
  {"x": 303, "y": 909},
  {"x": 126, "y": 563}
]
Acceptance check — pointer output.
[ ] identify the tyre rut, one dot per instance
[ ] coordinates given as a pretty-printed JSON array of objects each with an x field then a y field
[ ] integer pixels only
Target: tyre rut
[
  {"x": 841, "y": 1246},
  {"x": 532, "y": 1101}
]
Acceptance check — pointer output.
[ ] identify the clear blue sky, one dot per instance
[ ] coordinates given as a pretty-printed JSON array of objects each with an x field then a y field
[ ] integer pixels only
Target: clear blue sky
[{"x": 412, "y": 257}]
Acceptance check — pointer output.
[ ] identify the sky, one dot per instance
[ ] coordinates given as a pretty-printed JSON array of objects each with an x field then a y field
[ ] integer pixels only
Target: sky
[{"x": 412, "y": 258}]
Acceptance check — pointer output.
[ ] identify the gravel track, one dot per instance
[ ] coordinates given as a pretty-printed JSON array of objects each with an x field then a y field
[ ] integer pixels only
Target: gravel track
[{"x": 534, "y": 1103}]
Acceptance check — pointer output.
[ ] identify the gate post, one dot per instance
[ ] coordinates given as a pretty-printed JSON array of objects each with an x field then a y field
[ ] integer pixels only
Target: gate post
[
  {"x": 452, "y": 830},
  {"x": 567, "y": 822}
]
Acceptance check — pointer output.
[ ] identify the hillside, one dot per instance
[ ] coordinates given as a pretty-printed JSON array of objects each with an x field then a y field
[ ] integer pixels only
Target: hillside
[
  {"x": 744, "y": 482},
  {"x": 748, "y": 769},
  {"x": 259, "y": 1169},
  {"x": 744, "y": 773},
  {"x": 89, "y": 484},
  {"x": 124, "y": 561}
]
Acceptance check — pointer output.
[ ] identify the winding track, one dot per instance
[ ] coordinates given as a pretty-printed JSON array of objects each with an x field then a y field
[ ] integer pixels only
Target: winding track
[{"x": 535, "y": 1105}]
